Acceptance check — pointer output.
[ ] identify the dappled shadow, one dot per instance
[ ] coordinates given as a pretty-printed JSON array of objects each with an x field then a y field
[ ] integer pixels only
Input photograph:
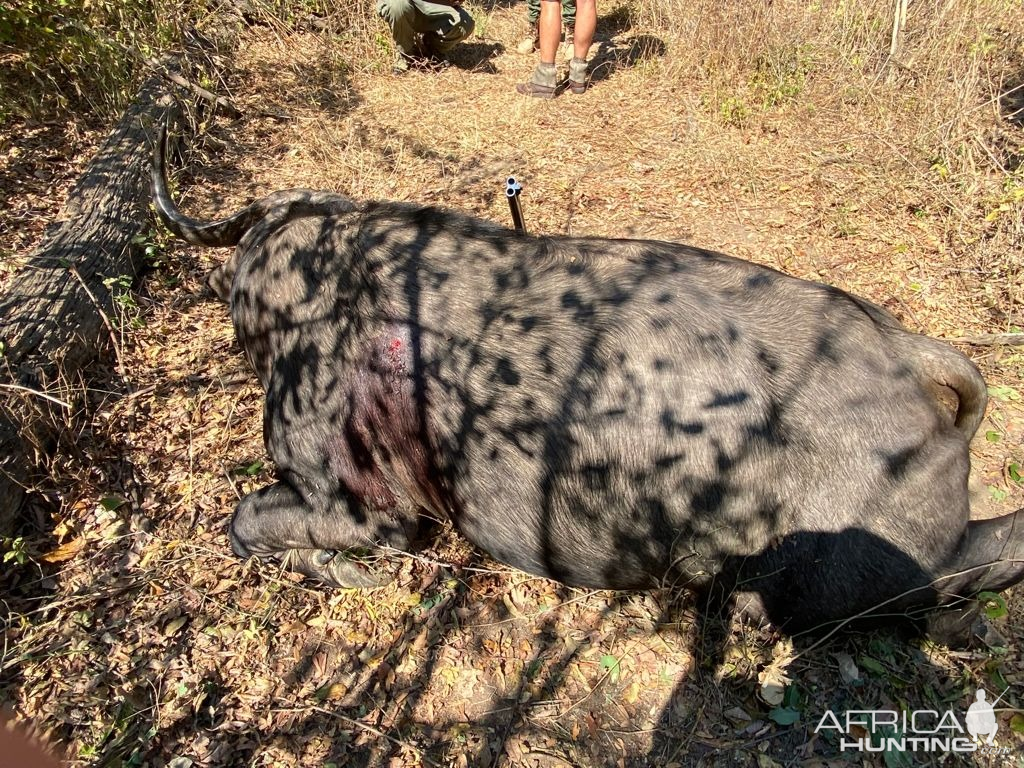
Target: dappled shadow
[
  {"x": 611, "y": 414},
  {"x": 625, "y": 414},
  {"x": 614, "y": 22},
  {"x": 324, "y": 83},
  {"x": 1011, "y": 108},
  {"x": 619, "y": 53},
  {"x": 1011, "y": 104},
  {"x": 476, "y": 57}
]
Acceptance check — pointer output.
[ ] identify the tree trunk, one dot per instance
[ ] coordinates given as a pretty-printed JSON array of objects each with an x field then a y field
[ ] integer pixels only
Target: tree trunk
[{"x": 55, "y": 318}]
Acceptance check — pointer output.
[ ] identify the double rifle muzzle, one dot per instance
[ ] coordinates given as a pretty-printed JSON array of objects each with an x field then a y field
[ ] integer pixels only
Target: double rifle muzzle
[{"x": 512, "y": 190}]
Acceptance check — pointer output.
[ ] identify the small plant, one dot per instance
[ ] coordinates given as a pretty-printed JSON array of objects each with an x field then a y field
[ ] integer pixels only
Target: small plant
[
  {"x": 120, "y": 288},
  {"x": 152, "y": 248},
  {"x": 482, "y": 21},
  {"x": 788, "y": 712},
  {"x": 82, "y": 53},
  {"x": 1013, "y": 469},
  {"x": 612, "y": 666},
  {"x": 1004, "y": 393},
  {"x": 733, "y": 111},
  {"x": 15, "y": 549},
  {"x": 781, "y": 75},
  {"x": 1010, "y": 200},
  {"x": 843, "y": 223}
]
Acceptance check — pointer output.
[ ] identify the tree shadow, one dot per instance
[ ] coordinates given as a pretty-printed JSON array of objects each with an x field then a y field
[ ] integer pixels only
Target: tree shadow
[
  {"x": 324, "y": 84},
  {"x": 624, "y": 53},
  {"x": 1011, "y": 109},
  {"x": 614, "y": 413},
  {"x": 1011, "y": 103},
  {"x": 615, "y": 22},
  {"x": 503, "y": 374},
  {"x": 476, "y": 57}
]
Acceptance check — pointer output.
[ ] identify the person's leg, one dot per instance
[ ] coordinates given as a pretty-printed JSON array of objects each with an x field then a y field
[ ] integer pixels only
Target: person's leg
[
  {"x": 550, "y": 30},
  {"x": 586, "y": 24},
  {"x": 442, "y": 26},
  {"x": 400, "y": 16},
  {"x": 532, "y": 11},
  {"x": 530, "y": 43},
  {"x": 444, "y": 40},
  {"x": 569, "y": 22},
  {"x": 569, "y": 13},
  {"x": 544, "y": 82}
]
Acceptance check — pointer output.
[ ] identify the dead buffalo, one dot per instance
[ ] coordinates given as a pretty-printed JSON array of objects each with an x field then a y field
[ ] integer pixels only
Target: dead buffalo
[{"x": 608, "y": 413}]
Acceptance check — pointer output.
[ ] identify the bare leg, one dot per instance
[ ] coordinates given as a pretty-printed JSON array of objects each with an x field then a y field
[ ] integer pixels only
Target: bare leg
[
  {"x": 586, "y": 24},
  {"x": 550, "y": 30},
  {"x": 544, "y": 82},
  {"x": 278, "y": 522}
]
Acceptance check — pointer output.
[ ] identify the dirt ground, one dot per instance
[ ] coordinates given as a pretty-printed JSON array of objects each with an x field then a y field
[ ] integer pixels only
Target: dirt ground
[{"x": 133, "y": 637}]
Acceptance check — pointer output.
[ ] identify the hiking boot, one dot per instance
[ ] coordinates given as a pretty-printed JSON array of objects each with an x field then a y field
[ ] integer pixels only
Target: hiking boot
[
  {"x": 543, "y": 84},
  {"x": 401, "y": 64},
  {"x": 531, "y": 43},
  {"x": 578, "y": 75},
  {"x": 408, "y": 59},
  {"x": 570, "y": 45}
]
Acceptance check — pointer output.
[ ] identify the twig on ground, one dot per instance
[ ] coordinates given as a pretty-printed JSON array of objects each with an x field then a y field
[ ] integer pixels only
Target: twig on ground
[
  {"x": 872, "y": 610},
  {"x": 37, "y": 393},
  {"x": 106, "y": 321},
  {"x": 991, "y": 339}
]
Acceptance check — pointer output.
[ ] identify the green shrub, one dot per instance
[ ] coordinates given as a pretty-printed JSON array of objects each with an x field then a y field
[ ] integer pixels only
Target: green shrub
[{"x": 73, "y": 54}]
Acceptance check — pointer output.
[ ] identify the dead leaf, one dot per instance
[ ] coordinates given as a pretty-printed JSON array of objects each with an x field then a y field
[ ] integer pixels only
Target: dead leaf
[
  {"x": 222, "y": 586},
  {"x": 847, "y": 667},
  {"x": 773, "y": 678},
  {"x": 65, "y": 551},
  {"x": 773, "y": 687},
  {"x": 174, "y": 625},
  {"x": 737, "y": 715},
  {"x": 632, "y": 692},
  {"x": 331, "y": 692}
]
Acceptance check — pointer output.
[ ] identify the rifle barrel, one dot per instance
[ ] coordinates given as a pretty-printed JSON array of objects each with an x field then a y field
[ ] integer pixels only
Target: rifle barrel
[{"x": 512, "y": 190}]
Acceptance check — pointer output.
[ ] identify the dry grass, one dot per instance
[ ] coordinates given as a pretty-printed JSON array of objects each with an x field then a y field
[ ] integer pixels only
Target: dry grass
[{"x": 784, "y": 133}]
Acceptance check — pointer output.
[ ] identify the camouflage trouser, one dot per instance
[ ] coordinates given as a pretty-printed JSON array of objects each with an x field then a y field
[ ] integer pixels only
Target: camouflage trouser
[
  {"x": 442, "y": 25},
  {"x": 568, "y": 12}
]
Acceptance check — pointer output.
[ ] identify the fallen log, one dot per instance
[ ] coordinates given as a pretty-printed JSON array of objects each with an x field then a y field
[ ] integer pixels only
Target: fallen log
[{"x": 55, "y": 317}]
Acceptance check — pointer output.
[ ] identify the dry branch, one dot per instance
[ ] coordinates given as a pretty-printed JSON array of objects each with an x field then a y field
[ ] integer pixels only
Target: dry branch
[{"x": 218, "y": 101}]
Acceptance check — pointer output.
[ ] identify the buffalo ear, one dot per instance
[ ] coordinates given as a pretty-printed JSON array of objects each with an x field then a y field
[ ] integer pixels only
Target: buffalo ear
[{"x": 221, "y": 278}]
